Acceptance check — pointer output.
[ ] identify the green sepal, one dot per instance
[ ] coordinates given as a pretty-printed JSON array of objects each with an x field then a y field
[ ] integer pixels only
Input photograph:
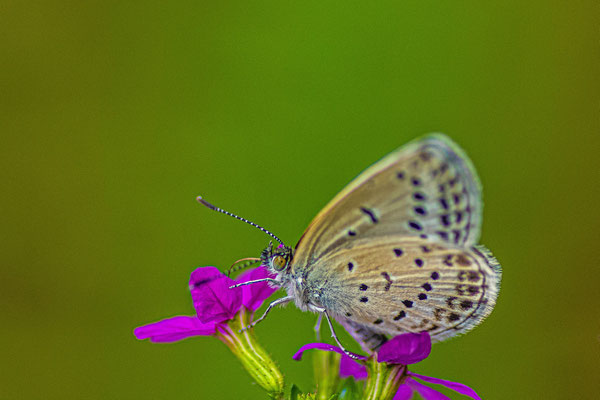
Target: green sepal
[
  {"x": 295, "y": 392},
  {"x": 383, "y": 380}
]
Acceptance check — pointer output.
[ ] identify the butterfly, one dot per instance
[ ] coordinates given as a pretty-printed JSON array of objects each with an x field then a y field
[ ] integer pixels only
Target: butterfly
[{"x": 395, "y": 251}]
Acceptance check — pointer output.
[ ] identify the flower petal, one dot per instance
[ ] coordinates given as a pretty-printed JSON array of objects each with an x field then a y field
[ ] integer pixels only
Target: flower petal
[
  {"x": 426, "y": 392},
  {"x": 349, "y": 367},
  {"x": 457, "y": 387},
  {"x": 404, "y": 392},
  {"x": 405, "y": 349},
  {"x": 255, "y": 294},
  {"x": 174, "y": 329},
  {"x": 213, "y": 300},
  {"x": 322, "y": 346}
]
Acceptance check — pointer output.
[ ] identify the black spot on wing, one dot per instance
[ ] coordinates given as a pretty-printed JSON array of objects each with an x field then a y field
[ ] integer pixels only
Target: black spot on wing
[
  {"x": 445, "y": 219},
  {"x": 370, "y": 213},
  {"x": 453, "y": 317},
  {"x": 388, "y": 281},
  {"x": 443, "y": 235},
  {"x": 466, "y": 304},
  {"x": 420, "y": 210},
  {"x": 415, "y": 225},
  {"x": 444, "y": 203},
  {"x": 419, "y": 196},
  {"x": 400, "y": 315}
]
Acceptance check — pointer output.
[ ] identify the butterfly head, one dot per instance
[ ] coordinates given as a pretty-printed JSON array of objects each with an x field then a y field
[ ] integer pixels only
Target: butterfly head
[{"x": 277, "y": 260}]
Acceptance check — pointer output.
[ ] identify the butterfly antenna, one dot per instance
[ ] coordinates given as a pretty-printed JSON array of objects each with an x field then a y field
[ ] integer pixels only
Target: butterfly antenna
[
  {"x": 207, "y": 204},
  {"x": 236, "y": 266}
]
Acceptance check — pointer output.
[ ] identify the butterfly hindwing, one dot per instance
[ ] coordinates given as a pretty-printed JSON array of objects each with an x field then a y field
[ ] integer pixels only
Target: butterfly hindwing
[
  {"x": 427, "y": 187},
  {"x": 369, "y": 339},
  {"x": 408, "y": 284}
]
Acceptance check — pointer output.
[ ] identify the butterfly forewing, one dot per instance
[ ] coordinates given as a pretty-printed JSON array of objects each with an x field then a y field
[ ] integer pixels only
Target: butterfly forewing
[
  {"x": 409, "y": 284},
  {"x": 427, "y": 187}
]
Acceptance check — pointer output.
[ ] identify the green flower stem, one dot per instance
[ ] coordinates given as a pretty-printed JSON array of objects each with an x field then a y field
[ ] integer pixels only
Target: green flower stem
[
  {"x": 383, "y": 380},
  {"x": 254, "y": 358},
  {"x": 326, "y": 366}
]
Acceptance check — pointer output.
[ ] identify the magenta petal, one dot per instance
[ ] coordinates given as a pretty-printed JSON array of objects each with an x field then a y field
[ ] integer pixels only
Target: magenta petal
[
  {"x": 457, "y": 387},
  {"x": 405, "y": 349},
  {"x": 349, "y": 367},
  {"x": 321, "y": 346},
  {"x": 404, "y": 392},
  {"x": 255, "y": 294},
  {"x": 426, "y": 392},
  {"x": 174, "y": 329},
  {"x": 213, "y": 300}
]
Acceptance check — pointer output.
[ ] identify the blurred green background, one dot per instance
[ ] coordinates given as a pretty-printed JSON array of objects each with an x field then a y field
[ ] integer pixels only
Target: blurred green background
[{"x": 115, "y": 115}]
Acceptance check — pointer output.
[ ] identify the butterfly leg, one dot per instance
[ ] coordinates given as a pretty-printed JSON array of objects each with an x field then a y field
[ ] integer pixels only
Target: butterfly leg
[
  {"x": 318, "y": 326},
  {"x": 334, "y": 336},
  {"x": 274, "y": 303},
  {"x": 270, "y": 280}
]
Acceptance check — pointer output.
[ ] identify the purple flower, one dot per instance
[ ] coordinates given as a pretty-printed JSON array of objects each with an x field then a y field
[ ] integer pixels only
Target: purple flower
[
  {"x": 405, "y": 349},
  {"x": 254, "y": 295},
  {"x": 174, "y": 329},
  {"x": 223, "y": 312},
  {"x": 215, "y": 305}
]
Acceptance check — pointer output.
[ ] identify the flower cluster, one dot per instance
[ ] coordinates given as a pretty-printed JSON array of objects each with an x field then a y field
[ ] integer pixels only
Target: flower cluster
[
  {"x": 223, "y": 311},
  {"x": 390, "y": 362},
  {"x": 215, "y": 305}
]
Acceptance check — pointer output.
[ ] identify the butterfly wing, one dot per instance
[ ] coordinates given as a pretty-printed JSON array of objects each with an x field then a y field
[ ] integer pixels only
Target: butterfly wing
[
  {"x": 369, "y": 339},
  {"x": 408, "y": 284},
  {"x": 428, "y": 187},
  {"x": 420, "y": 204}
]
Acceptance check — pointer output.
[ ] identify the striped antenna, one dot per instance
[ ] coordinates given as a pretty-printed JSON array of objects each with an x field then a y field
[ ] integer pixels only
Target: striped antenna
[{"x": 207, "y": 204}]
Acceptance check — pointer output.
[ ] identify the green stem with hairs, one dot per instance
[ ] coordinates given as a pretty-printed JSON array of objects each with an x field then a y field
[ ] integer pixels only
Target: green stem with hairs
[{"x": 254, "y": 358}]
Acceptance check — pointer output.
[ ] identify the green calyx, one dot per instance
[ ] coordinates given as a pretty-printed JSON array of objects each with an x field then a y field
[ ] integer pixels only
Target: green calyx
[
  {"x": 383, "y": 380},
  {"x": 252, "y": 355}
]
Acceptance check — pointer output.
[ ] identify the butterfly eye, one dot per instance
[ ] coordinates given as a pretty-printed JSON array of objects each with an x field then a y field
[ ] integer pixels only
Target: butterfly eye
[{"x": 278, "y": 263}]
